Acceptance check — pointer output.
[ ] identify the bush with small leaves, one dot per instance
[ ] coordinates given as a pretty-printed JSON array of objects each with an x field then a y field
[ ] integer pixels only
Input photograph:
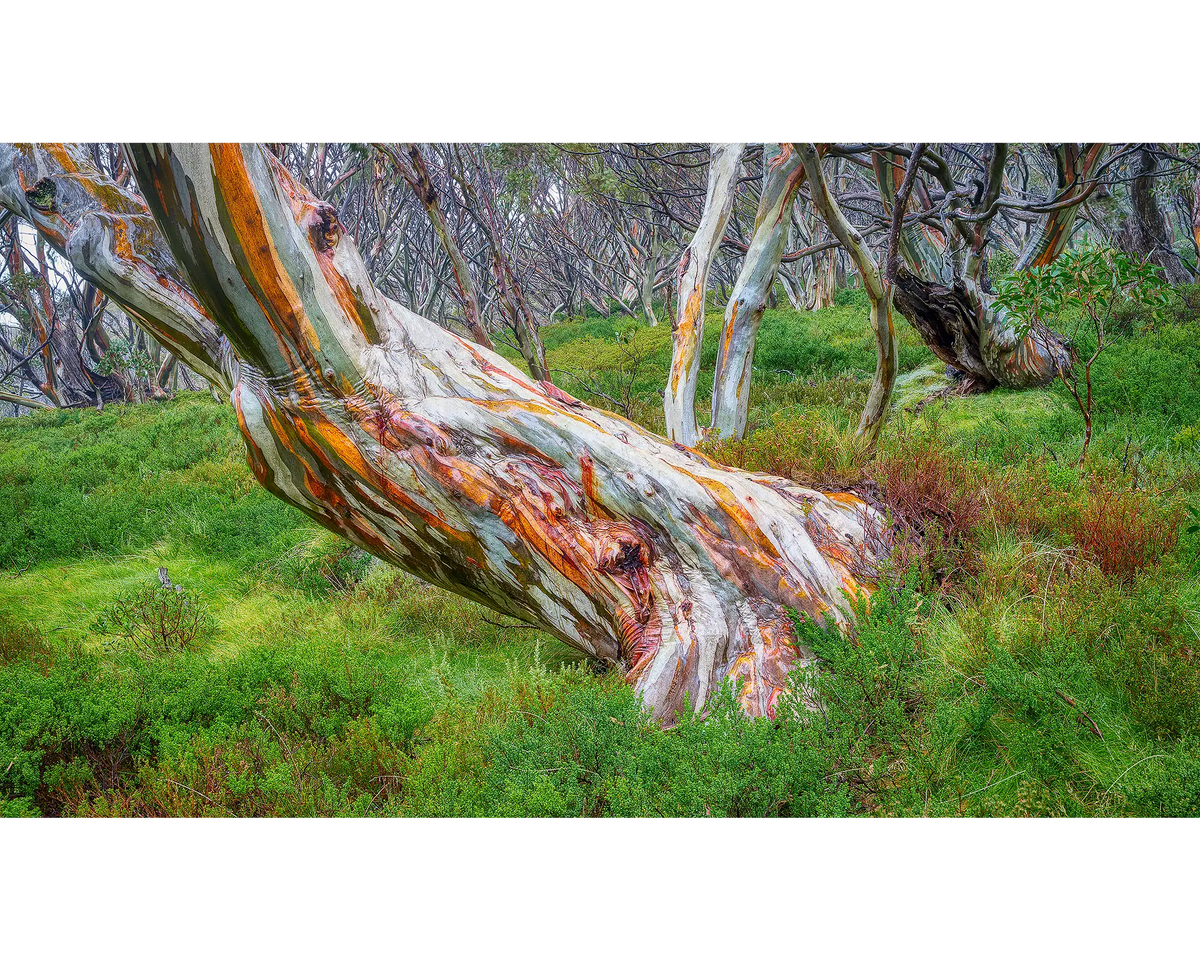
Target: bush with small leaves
[{"x": 157, "y": 620}]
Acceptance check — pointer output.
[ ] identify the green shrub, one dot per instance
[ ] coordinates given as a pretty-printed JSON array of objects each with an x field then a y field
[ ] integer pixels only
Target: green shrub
[
  {"x": 567, "y": 746},
  {"x": 284, "y": 729},
  {"x": 156, "y": 619}
]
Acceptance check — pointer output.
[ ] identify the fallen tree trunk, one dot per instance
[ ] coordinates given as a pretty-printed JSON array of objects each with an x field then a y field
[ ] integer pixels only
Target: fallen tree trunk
[{"x": 439, "y": 456}]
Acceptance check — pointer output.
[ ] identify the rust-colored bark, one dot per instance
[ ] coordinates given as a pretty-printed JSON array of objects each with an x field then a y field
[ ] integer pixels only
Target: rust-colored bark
[{"x": 443, "y": 458}]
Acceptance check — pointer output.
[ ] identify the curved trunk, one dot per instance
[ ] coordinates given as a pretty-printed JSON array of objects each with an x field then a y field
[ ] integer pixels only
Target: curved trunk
[
  {"x": 109, "y": 237},
  {"x": 782, "y": 177},
  {"x": 441, "y": 457},
  {"x": 687, "y": 329},
  {"x": 1053, "y": 232},
  {"x": 880, "y": 294},
  {"x": 437, "y": 455}
]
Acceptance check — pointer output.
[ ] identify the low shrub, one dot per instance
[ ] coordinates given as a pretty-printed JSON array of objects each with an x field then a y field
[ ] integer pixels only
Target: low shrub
[
  {"x": 1123, "y": 531},
  {"x": 157, "y": 619},
  {"x": 938, "y": 498}
]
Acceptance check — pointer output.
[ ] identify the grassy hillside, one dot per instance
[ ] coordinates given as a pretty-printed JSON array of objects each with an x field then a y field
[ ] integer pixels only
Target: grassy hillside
[{"x": 1031, "y": 652}]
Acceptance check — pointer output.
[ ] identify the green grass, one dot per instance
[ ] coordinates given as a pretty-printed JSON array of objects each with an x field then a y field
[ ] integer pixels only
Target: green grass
[{"x": 1033, "y": 654}]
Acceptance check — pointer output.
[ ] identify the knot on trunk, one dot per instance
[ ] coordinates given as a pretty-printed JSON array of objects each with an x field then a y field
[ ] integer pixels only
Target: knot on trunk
[
  {"x": 622, "y": 556},
  {"x": 323, "y": 226},
  {"x": 41, "y": 197}
]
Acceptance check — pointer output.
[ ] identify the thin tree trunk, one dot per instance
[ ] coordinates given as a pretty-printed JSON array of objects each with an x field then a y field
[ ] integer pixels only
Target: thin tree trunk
[
  {"x": 649, "y": 270},
  {"x": 422, "y": 185},
  {"x": 679, "y": 400},
  {"x": 880, "y": 294},
  {"x": 782, "y": 177},
  {"x": 824, "y": 280}
]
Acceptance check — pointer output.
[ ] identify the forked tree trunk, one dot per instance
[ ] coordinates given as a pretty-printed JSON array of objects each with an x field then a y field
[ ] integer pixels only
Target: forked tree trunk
[
  {"x": 782, "y": 177},
  {"x": 942, "y": 294},
  {"x": 687, "y": 328},
  {"x": 441, "y": 457}
]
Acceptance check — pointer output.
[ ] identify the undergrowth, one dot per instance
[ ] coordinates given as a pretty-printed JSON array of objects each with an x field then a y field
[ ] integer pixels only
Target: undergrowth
[{"x": 1030, "y": 649}]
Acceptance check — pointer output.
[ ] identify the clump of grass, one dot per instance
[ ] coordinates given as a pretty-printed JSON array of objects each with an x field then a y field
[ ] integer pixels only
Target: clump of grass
[
  {"x": 800, "y": 446},
  {"x": 23, "y": 643},
  {"x": 320, "y": 564}
]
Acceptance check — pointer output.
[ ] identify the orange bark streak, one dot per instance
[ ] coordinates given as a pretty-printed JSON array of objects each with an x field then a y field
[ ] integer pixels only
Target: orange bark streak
[{"x": 284, "y": 308}]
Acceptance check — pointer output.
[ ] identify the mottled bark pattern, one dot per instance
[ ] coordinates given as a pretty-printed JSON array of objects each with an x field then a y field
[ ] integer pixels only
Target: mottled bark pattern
[
  {"x": 107, "y": 234},
  {"x": 782, "y": 177},
  {"x": 441, "y": 457},
  {"x": 1074, "y": 167},
  {"x": 679, "y": 400}
]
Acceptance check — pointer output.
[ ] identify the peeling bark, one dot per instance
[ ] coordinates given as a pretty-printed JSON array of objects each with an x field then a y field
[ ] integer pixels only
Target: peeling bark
[
  {"x": 439, "y": 456},
  {"x": 782, "y": 177},
  {"x": 687, "y": 329}
]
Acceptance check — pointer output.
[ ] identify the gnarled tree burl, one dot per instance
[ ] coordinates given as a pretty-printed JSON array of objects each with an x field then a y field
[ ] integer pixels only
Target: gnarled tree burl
[{"x": 438, "y": 455}]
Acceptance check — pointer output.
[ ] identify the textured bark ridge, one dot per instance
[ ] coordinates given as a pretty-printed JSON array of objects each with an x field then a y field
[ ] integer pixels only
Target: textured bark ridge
[{"x": 441, "y": 457}]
